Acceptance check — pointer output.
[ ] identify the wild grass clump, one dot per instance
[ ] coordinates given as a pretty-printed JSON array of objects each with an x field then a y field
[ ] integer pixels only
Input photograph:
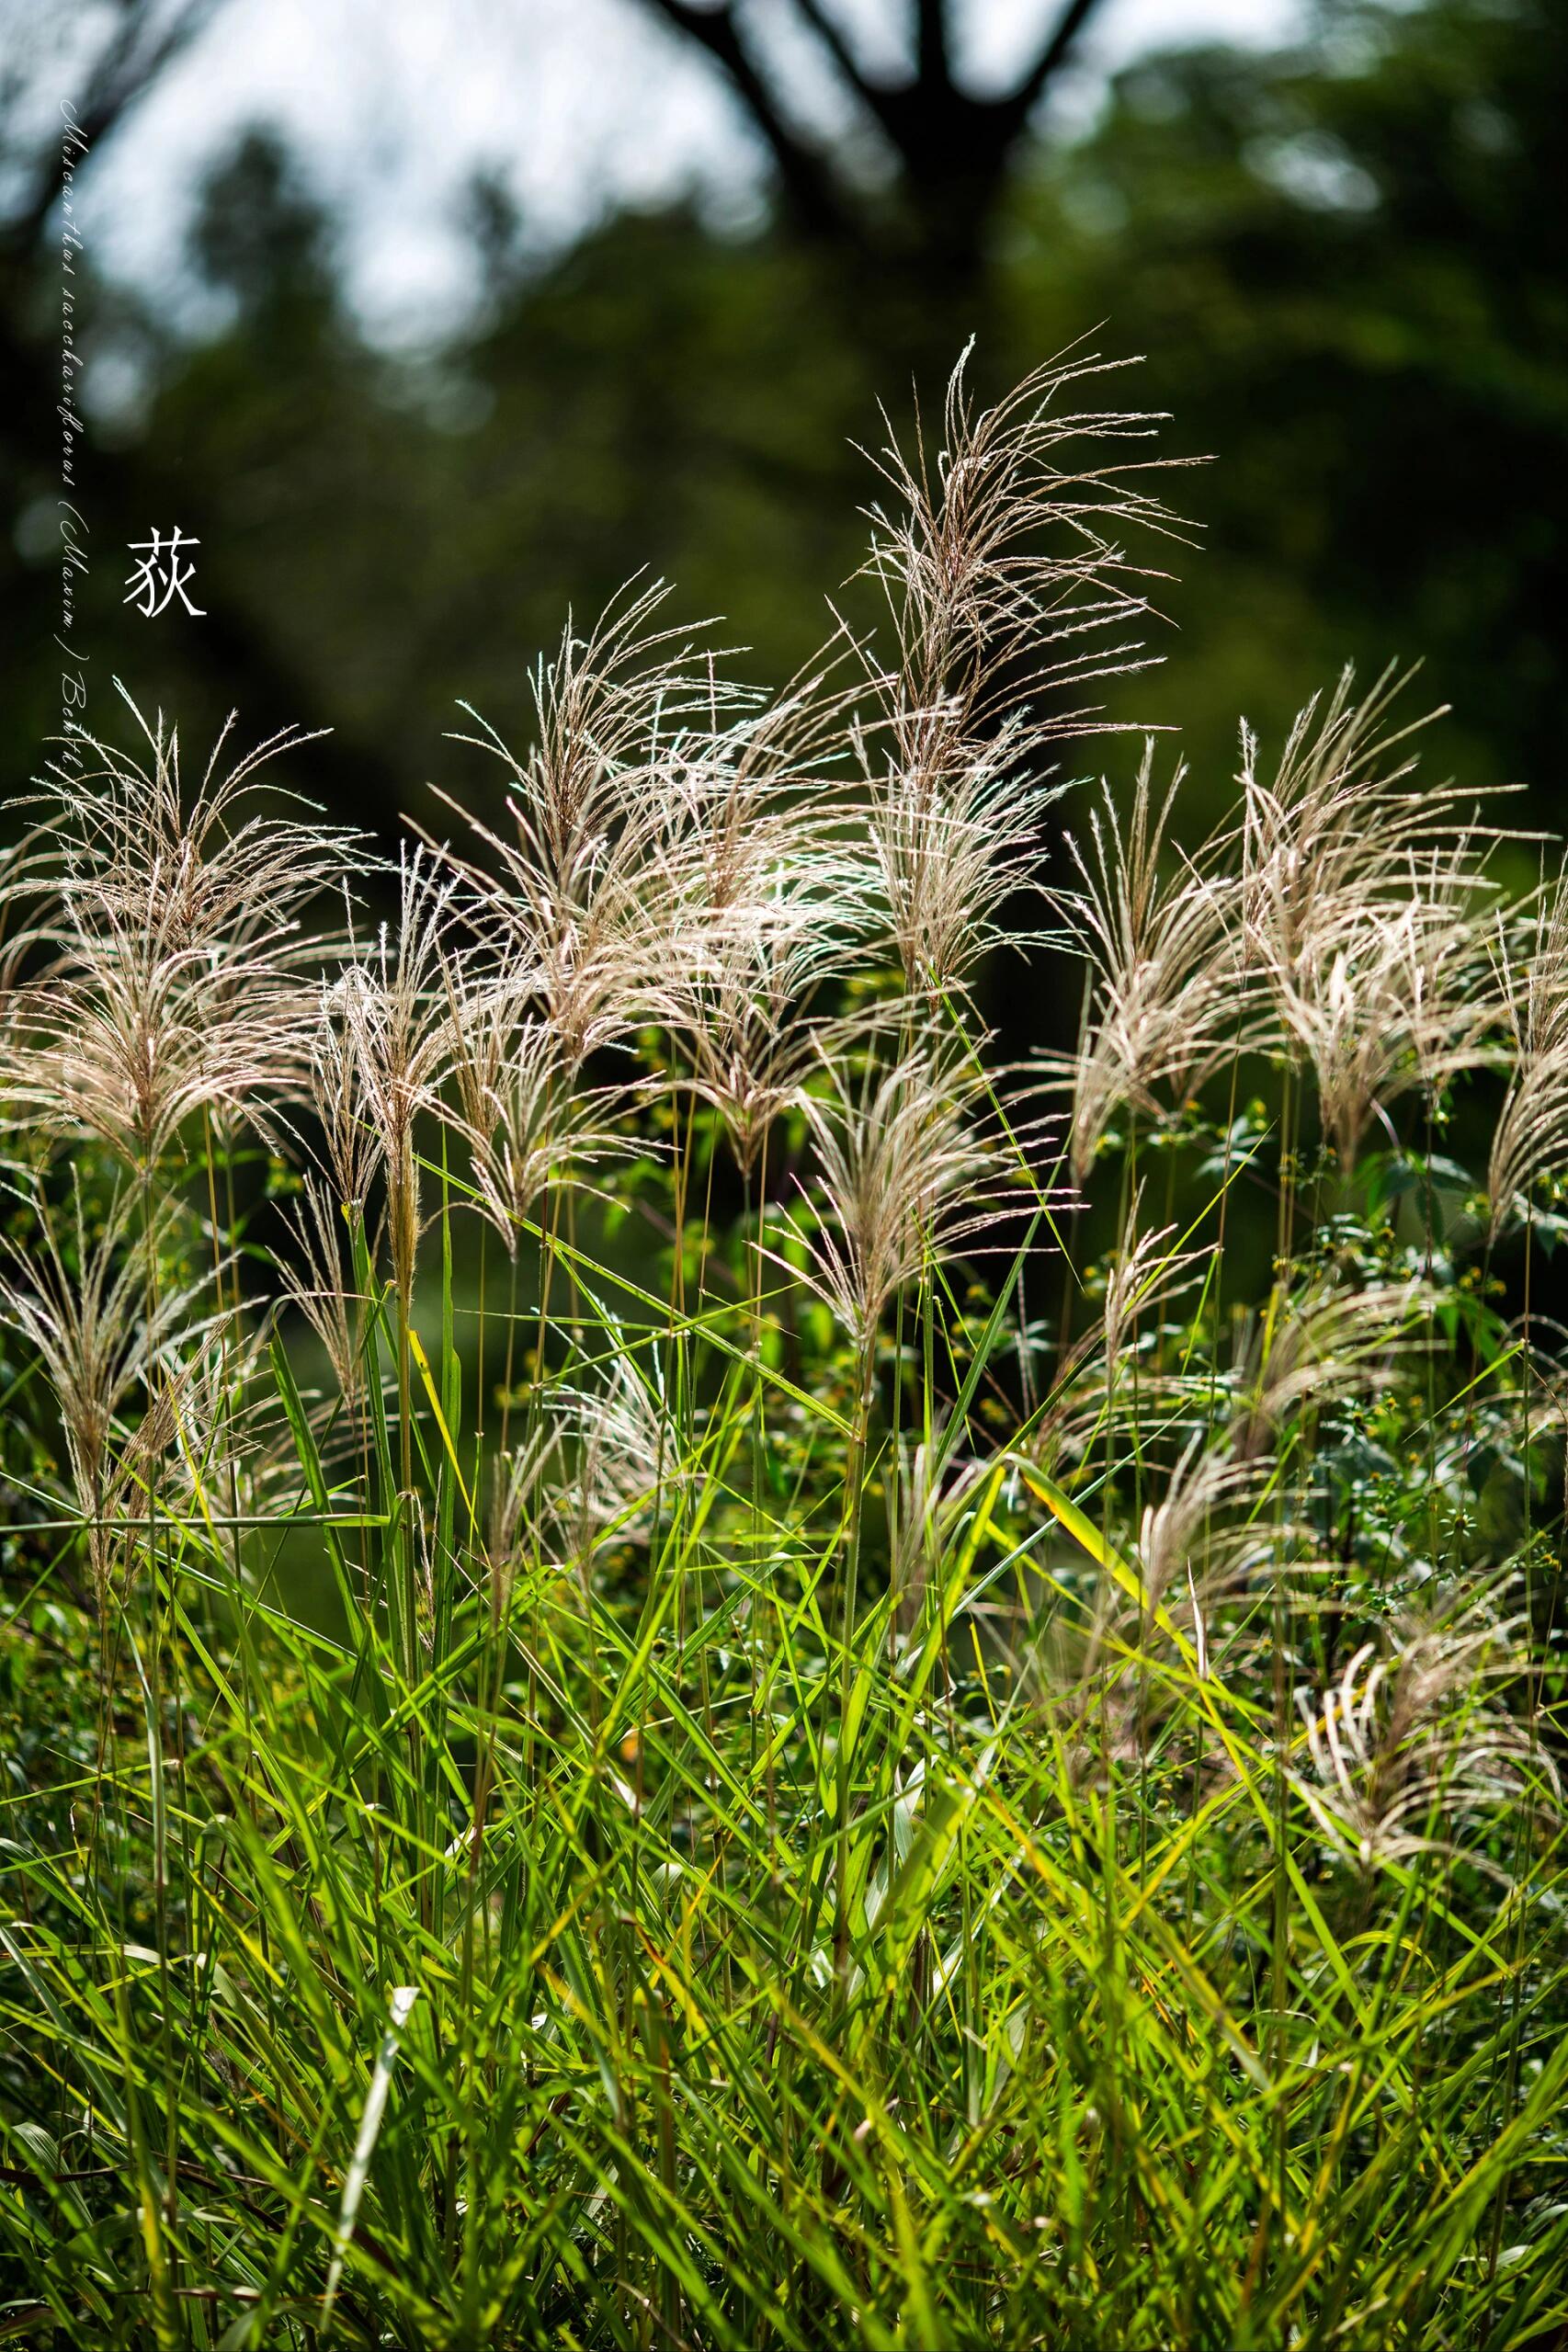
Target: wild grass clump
[{"x": 688, "y": 1665}]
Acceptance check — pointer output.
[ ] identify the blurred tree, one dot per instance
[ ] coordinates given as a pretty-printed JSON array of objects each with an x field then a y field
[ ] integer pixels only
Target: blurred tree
[
  {"x": 1346, "y": 261},
  {"x": 260, "y": 237},
  {"x": 132, "y": 481},
  {"x": 950, "y": 148},
  {"x": 1348, "y": 264}
]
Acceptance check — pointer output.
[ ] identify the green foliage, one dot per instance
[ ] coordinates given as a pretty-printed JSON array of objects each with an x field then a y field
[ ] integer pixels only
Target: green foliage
[
  {"x": 617, "y": 1736},
  {"x": 1343, "y": 260}
]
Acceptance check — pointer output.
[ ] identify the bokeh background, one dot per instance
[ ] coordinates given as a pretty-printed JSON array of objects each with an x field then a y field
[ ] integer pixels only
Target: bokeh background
[{"x": 431, "y": 322}]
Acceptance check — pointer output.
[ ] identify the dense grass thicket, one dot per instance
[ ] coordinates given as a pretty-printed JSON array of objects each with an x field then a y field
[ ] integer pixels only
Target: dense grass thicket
[{"x": 684, "y": 1665}]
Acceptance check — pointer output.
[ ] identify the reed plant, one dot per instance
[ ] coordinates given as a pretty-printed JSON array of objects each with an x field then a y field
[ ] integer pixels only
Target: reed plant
[{"x": 687, "y": 1664}]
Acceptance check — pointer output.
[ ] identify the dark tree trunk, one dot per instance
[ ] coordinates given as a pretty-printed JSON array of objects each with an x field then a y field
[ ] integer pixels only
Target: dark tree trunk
[{"x": 952, "y": 148}]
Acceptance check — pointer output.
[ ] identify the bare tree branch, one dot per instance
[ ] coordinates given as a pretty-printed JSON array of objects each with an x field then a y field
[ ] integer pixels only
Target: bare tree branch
[
  {"x": 834, "y": 40},
  {"x": 129, "y": 64},
  {"x": 953, "y": 146},
  {"x": 807, "y": 182},
  {"x": 931, "y": 48},
  {"x": 1021, "y": 103}
]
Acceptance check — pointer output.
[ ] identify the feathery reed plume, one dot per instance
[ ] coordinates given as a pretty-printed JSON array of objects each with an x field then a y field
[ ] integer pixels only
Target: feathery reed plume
[
  {"x": 1360, "y": 894},
  {"x": 177, "y": 978},
  {"x": 744, "y": 1009},
  {"x": 1337, "y": 825},
  {"x": 382, "y": 1049},
  {"x": 1146, "y": 1275},
  {"x": 1058, "y": 1862},
  {"x": 207, "y": 869},
  {"x": 955, "y": 834},
  {"x": 1002, "y": 584},
  {"x": 766, "y": 899},
  {"x": 905, "y": 1174},
  {"x": 1170, "y": 1000},
  {"x": 1320, "y": 1346},
  {"x": 1411, "y": 1742},
  {"x": 748, "y": 798},
  {"x": 1206, "y": 1537},
  {"x": 352, "y": 1145},
  {"x": 319, "y": 1285},
  {"x": 82, "y": 1305},
  {"x": 521, "y": 1483},
  {"x": 214, "y": 1431},
  {"x": 1531, "y": 1141},
  {"x": 527, "y": 1125},
  {"x": 24, "y": 869},
  {"x": 927, "y": 1502},
  {"x": 1204, "y": 1540},
  {"x": 1396, "y": 1004},
  {"x": 1098, "y": 1391},
  {"x": 582, "y": 892},
  {"x": 619, "y": 1445},
  {"x": 971, "y": 585}
]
